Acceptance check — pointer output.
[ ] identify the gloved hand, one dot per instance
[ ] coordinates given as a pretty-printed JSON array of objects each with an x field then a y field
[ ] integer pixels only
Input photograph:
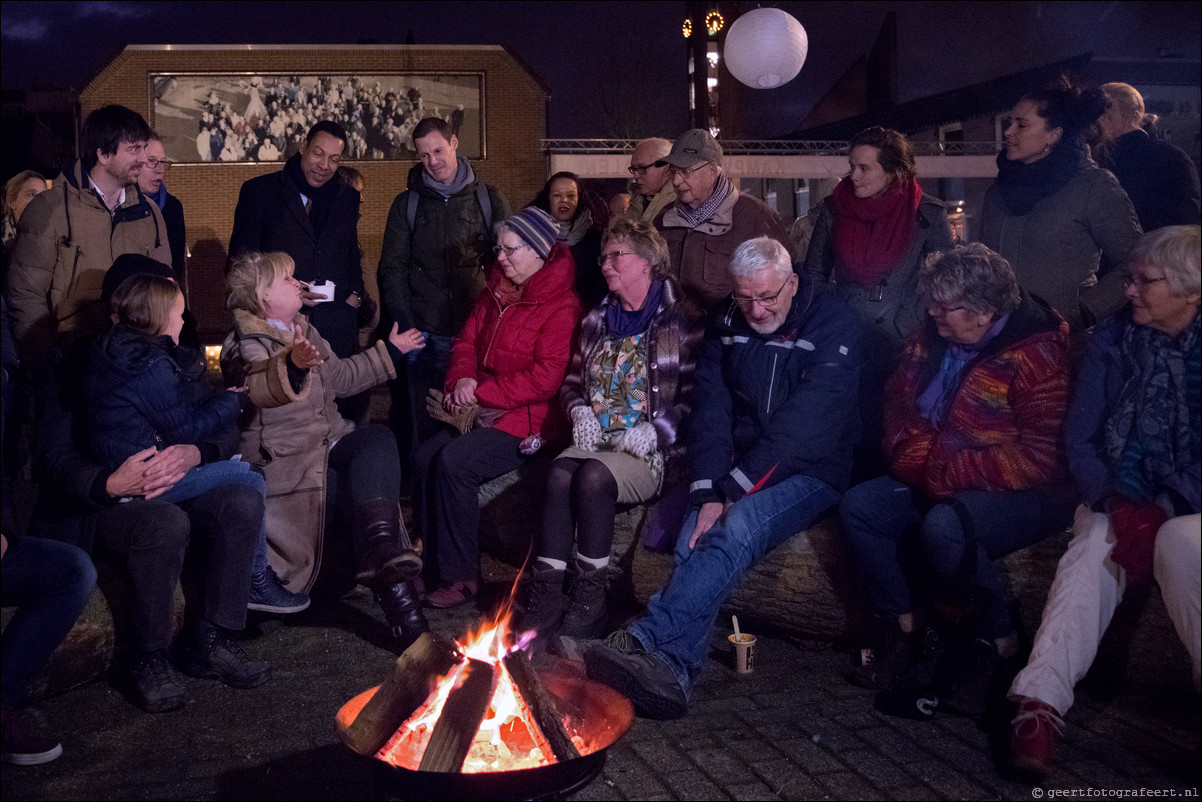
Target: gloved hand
[
  {"x": 640, "y": 440},
  {"x": 586, "y": 431}
]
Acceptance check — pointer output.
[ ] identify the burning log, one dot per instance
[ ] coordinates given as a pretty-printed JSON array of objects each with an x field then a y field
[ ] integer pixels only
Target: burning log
[
  {"x": 542, "y": 705},
  {"x": 405, "y": 689},
  {"x": 461, "y": 716}
]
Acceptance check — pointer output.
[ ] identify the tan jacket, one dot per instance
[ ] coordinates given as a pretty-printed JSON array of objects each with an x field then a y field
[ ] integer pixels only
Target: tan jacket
[
  {"x": 289, "y": 434},
  {"x": 639, "y": 210},
  {"x": 701, "y": 256},
  {"x": 66, "y": 242}
]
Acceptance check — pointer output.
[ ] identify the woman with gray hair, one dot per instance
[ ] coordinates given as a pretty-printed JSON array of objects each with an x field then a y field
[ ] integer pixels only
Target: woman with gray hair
[
  {"x": 1134, "y": 452},
  {"x": 625, "y": 393},
  {"x": 973, "y": 422}
]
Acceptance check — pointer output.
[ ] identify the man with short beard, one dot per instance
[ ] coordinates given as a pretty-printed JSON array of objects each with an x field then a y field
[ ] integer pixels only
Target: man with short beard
[
  {"x": 70, "y": 235},
  {"x": 769, "y": 450}
]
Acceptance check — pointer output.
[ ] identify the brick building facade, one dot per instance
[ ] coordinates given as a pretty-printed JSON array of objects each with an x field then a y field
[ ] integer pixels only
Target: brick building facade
[{"x": 515, "y": 108}]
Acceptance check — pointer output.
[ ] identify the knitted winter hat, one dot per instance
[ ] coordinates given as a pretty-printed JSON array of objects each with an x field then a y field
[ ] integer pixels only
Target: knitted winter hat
[
  {"x": 537, "y": 228},
  {"x": 128, "y": 265}
]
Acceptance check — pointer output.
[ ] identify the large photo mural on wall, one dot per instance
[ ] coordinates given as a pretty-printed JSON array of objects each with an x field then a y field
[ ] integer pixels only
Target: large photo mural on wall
[{"x": 260, "y": 117}]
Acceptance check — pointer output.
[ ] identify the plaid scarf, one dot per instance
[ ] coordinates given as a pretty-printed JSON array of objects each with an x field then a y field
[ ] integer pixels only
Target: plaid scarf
[{"x": 695, "y": 217}]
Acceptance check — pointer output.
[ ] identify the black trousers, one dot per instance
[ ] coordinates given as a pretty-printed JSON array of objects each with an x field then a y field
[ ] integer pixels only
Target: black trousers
[
  {"x": 218, "y": 530},
  {"x": 449, "y": 469}
]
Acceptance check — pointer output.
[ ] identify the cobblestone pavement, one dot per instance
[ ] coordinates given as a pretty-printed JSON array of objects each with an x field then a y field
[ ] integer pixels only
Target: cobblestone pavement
[{"x": 791, "y": 730}]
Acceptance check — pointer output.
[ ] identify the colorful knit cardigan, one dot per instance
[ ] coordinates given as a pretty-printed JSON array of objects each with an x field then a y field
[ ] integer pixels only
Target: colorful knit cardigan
[{"x": 1004, "y": 428}]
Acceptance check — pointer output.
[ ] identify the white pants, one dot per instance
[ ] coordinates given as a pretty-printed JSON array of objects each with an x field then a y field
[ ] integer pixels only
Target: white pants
[{"x": 1087, "y": 590}]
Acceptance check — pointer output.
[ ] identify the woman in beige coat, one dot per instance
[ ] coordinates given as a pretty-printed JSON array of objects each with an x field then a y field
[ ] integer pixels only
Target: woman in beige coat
[{"x": 294, "y": 433}]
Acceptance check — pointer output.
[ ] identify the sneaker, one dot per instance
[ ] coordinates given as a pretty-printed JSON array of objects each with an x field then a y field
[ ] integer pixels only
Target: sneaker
[
  {"x": 452, "y": 594},
  {"x": 206, "y": 650},
  {"x": 642, "y": 677},
  {"x": 971, "y": 694},
  {"x": 1033, "y": 735},
  {"x": 268, "y": 595},
  {"x": 155, "y": 686},
  {"x": 22, "y": 745}
]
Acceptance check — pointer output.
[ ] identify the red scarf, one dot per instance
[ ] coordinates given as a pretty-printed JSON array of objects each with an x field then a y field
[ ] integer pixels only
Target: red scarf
[{"x": 871, "y": 234}]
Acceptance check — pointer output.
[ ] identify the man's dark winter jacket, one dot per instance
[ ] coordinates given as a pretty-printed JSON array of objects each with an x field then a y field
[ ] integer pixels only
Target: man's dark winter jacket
[{"x": 770, "y": 407}]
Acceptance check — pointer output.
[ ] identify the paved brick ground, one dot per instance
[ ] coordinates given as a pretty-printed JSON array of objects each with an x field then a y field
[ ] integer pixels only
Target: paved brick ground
[{"x": 791, "y": 730}]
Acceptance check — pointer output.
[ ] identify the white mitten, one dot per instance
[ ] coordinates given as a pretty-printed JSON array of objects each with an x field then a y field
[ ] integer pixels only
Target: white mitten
[
  {"x": 640, "y": 440},
  {"x": 586, "y": 431}
]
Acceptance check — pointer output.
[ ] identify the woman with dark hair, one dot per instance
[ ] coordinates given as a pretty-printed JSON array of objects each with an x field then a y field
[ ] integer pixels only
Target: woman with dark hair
[
  {"x": 581, "y": 217},
  {"x": 869, "y": 242},
  {"x": 626, "y": 395},
  {"x": 1134, "y": 452},
  {"x": 1052, "y": 212},
  {"x": 1159, "y": 178},
  {"x": 973, "y": 423}
]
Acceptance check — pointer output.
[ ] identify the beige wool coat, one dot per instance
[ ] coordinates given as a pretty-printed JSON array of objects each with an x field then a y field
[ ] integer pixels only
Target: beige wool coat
[{"x": 288, "y": 434}]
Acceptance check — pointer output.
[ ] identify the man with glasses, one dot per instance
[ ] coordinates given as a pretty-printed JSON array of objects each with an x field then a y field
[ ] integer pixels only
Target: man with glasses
[
  {"x": 769, "y": 450},
  {"x": 70, "y": 235},
  {"x": 709, "y": 219},
  {"x": 154, "y": 186},
  {"x": 650, "y": 188}
]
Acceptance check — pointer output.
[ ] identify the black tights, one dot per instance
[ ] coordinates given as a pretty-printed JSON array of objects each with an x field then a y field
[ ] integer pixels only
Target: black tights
[{"x": 582, "y": 498}]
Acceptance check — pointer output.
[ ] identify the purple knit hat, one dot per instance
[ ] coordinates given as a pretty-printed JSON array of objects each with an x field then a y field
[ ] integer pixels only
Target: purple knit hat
[{"x": 537, "y": 229}]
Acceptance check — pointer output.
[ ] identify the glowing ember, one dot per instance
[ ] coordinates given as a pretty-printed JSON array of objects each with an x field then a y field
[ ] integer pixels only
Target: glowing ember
[{"x": 508, "y": 737}]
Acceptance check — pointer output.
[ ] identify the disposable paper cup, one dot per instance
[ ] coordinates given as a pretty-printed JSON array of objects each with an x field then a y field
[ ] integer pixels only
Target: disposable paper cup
[
  {"x": 326, "y": 291},
  {"x": 744, "y": 651}
]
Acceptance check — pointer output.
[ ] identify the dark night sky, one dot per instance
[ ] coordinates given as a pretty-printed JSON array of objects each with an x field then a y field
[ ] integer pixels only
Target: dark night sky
[{"x": 632, "y": 53}]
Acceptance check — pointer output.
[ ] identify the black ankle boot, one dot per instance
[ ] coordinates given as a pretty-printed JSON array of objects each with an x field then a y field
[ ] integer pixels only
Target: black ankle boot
[
  {"x": 403, "y": 612},
  {"x": 587, "y": 616},
  {"x": 204, "y": 649},
  {"x": 382, "y": 545},
  {"x": 542, "y": 600}
]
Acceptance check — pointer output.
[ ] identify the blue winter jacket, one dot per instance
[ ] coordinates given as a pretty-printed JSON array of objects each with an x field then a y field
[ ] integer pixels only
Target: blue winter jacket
[
  {"x": 770, "y": 407},
  {"x": 144, "y": 391}
]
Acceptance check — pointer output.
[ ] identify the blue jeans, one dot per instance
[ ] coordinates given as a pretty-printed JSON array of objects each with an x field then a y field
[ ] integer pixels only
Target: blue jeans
[
  {"x": 48, "y": 582},
  {"x": 417, "y": 372},
  {"x": 679, "y": 618},
  {"x": 899, "y": 540},
  {"x": 212, "y": 475}
]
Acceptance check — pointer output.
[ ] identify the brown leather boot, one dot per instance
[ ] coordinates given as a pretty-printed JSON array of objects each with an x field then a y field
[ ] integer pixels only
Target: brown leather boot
[{"x": 382, "y": 547}]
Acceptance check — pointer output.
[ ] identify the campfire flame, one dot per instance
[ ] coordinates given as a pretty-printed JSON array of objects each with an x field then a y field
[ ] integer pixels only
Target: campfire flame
[{"x": 508, "y": 738}]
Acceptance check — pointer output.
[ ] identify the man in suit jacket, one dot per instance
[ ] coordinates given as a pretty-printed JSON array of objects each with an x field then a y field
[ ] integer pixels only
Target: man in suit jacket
[{"x": 308, "y": 212}]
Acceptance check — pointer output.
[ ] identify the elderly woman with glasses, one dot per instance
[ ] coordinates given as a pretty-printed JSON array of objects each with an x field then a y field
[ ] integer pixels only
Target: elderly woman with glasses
[
  {"x": 1133, "y": 437},
  {"x": 974, "y": 416},
  {"x": 498, "y": 399},
  {"x": 625, "y": 393}
]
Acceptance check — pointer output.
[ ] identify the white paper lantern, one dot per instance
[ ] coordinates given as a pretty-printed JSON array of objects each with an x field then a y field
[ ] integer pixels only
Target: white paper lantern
[{"x": 766, "y": 48}]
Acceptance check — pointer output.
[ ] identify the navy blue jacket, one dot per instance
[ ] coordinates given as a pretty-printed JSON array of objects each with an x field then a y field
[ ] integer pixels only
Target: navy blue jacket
[
  {"x": 1099, "y": 387},
  {"x": 144, "y": 391},
  {"x": 770, "y": 407}
]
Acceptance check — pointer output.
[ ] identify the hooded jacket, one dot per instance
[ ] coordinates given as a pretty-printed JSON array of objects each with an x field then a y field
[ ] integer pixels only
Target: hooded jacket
[
  {"x": 66, "y": 242},
  {"x": 1004, "y": 429},
  {"x": 519, "y": 354},
  {"x": 431, "y": 274},
  {"x": 144, "y": 391},
  {"x": 772, "y": 406}
]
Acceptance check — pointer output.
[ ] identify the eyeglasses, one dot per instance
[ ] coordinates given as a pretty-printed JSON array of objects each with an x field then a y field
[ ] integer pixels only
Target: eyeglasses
[
  {"x": 685, "y": 172},
  {"x": 940, "y": 310},
  {"x": 767, "y": 302},
  {"x": 1139, "y": 282},
  {"x": 640, "y": 169},
  {"x": 508, "y": 251},
  {"x": 612, "y": 256},
  {"x": 155, "y": 164}
]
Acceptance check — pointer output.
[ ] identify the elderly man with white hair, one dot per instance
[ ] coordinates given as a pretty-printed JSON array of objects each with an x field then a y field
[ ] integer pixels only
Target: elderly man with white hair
[{"x": 769, "y": 450}]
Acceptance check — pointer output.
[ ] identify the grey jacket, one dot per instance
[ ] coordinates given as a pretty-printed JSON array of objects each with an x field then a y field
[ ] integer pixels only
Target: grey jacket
[
  {"x": 892, "y": 309},
  {"x": 1055, "y": 250}
]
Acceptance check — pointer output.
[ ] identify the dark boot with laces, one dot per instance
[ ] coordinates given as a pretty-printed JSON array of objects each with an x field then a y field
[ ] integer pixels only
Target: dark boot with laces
[
  {"x": 382, "y": 547},
  {"x": 206, "y": 650},
  {"x": 152, "y": 683},
  {"x": 403, "y": 612},
  {"x": 268, "y": 595},
  {"x": 542, "y": 600},
  {"x": 587, "y": 615}
]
